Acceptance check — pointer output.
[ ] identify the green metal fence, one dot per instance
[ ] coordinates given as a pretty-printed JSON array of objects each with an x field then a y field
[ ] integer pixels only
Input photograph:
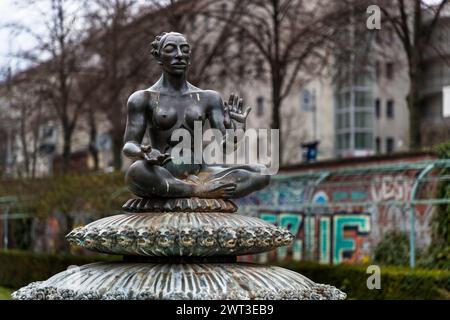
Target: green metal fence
[{"x": 419, "y": 175}]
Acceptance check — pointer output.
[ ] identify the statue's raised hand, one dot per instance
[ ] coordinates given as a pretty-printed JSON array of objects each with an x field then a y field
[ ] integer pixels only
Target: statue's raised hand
[
  {"x": 154, "y": 156},
  {"x": 235, "y": 116}
]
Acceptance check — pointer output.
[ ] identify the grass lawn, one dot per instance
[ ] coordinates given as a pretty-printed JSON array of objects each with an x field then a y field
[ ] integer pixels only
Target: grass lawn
[{"x": 5, "y": 294}]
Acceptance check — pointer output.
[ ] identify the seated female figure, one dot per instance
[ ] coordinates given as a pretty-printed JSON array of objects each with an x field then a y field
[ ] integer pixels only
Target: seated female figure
[{"x": 173, "y": 103}]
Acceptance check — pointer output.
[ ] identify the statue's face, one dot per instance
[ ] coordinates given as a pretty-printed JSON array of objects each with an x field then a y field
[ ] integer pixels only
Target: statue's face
[{"x": 174, "y": 55}]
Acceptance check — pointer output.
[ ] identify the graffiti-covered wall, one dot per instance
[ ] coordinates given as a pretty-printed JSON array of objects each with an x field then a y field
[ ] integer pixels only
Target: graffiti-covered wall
[{"x": 341, "y": 216}]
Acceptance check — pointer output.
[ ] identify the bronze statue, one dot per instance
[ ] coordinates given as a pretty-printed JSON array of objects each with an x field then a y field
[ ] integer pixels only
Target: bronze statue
[
  {"x": 176, "y": 244},
  {"x": 173, "y": 103}
]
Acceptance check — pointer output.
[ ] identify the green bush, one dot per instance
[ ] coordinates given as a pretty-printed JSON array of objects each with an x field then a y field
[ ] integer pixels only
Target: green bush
[
  {"x": 5, "y": 294},
  {"x": 19, "y": 268},
  {"x": 392, "y": 250},
  {"x": 396, "y": 283},
  {"x": 439, "y": 251},
  {"x": 98, "y": 195}
]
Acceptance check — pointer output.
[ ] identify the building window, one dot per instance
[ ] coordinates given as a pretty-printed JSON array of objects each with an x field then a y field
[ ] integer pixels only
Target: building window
[
  {"x": 377, "y": 108},
  {"x": 224, "y": 7},
  {"x": 390, "y": 109},
  {"x": 343, "y": 141},
  {"x": 306, "y": 100},
  {"x": 241, "y": 70},
  {"x": 389, "y": 70},
  {"x": 260, "y": 106},
  {"x": 48, "y": 132},
  {"x": 104, "y": 142},
  {"x": 363, "y": 99},
  {"x": 377, "y": 69},
  {"x": 343, "y": 120},
  {"x": 354, "y": 121},
  {"x": 363, "y": 140},
  {"x": 378, "y": 145},
  {"x": 389, "y": 145},
  {"x": 445, "y": 102},
  {"x": 363, "y": 119},
  {"x": 378, "y": 38},
  {"x": 259, "y": 66},
  {"x": 206, "y": 22}
]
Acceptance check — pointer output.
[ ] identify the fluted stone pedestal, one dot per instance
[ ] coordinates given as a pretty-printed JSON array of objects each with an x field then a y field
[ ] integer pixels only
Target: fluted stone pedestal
[{"x": 178, "y": 249}]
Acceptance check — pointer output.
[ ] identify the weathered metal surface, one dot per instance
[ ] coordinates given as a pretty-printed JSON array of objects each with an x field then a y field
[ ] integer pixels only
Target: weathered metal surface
[
  {"x": 180, "y": 234},
  {"x": 179, "y": 205},
  {"x": 141, "y": 281},
  {"x": 172, "y": 104}
]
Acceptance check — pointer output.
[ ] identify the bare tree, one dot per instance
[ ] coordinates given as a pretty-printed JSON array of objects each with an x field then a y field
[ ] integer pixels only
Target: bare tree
[
  {"x": 58, "y": 57},
  {"x": 122, "y": 32},
  {"x": 414, "y": 22},
  {"x": 207, "y": 24},
  {"x": 120, "y": 42},
  {"x": 24, "y": 116},
  {"x": 31, "y": 117},
  {"x": 352, "y": 46},
  {"x": 88, "y": 86},
  {"x": 288, "y": 38}
]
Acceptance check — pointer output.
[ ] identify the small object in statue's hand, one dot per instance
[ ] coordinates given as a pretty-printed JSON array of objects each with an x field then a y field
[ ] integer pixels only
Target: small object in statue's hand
[
  {"x": 146, "y": 148},
  {"x": 154, "y": 156}
]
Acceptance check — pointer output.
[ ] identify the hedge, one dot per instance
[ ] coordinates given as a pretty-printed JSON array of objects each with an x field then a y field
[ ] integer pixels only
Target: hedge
[
  {"x": 98, "y": 194},
  {"x": 5, "y": 293},
  {"x": 18, "y": 268},
  {"x": 439, "y": 250},
  {"x": 396, "y": 283}
]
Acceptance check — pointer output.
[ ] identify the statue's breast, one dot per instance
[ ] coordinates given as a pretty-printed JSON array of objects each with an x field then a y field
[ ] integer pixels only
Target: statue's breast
[
  {"x": 177, "y": 113},
  {"x": 193, "y": 113},
  {"x": 164, "y": 117}
]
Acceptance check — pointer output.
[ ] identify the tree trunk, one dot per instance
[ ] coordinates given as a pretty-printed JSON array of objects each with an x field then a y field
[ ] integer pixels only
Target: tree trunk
[
  {"x": 414, "y": 104},
  {"x": 94, "y": 153},
  {"x": 67, "y": 150},
  {"x": 414, "y": 119},
  {"x": 117, "y": 144},
  {"x": 276, "y": 123},
  {"x": 93, "y": 140},
  {"x": 276, "y": 74},
  {"x": 23, "y": 140},
  {"x": 70, "y": 222}
]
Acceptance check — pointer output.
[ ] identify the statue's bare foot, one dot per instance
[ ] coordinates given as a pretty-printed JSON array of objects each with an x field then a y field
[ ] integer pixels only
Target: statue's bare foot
[{"x": 215, "y": 190}]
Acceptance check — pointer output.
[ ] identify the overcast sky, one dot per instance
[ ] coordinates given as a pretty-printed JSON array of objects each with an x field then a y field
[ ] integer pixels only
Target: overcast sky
[
  {"x": 11, "y": 12},
  {"x": 18, "y": 11}
]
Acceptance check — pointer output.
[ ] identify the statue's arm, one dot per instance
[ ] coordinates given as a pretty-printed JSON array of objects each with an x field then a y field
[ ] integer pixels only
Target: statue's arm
[
  {"x": 218, "y": 119},
  {"x": 136, "y": 125},
  {"x": 216, "y": 114}
]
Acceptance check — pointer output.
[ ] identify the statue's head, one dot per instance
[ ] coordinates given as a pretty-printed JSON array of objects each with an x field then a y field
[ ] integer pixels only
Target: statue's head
[{"x": 172, "y": 51}]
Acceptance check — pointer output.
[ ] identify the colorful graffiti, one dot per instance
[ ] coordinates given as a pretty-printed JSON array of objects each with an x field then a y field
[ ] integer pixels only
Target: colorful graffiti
[
  {"x": 341, "y": 219},
  {"x": 333, "y": 238}
]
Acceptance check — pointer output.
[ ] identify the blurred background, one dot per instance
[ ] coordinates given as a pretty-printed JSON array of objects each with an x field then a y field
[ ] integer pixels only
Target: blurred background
[{"x": 360, "y": 91}]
